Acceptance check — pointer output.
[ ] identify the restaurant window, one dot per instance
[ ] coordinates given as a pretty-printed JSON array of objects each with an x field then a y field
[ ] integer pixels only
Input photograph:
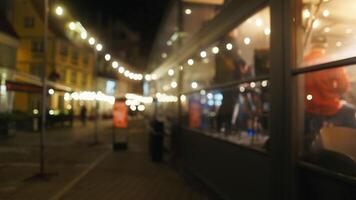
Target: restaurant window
[
  {"x": 238, "y": 114},
  {"x": 241, "y": 54},
  {"x": 326, "y": 94},
  {"x": 327, "y": 31},
  {"x": 29, "y": 22},
  {"x": 197, "y": 14}
]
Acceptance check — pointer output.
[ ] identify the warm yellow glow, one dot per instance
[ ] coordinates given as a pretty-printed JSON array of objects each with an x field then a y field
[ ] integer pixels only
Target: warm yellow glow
[
  {"x": 99, "y": 47},
  {"x": 115, "y": 64},
  {"x": 51, "y": 91},
  {"x": 170, "y": 72},
  {"x": 194, "y": 85},
  {"x": 121, "y": 70},
  {"x": 188, "y": 11},
  {"x": 327, "y": 29},
  {"x": 316, "y": 24},
  {"x": 264, "y": 83},
  {"x": 326, "y": 13},
  {"x": 84, "y": 35},
  {"x": 174, "y": 84},
  {"x": 309, "y": 97},
  {"x": 148, "y": 77},
  {"x": 59, "y": 11},
  {"x": 203, "y": 54},
  {"x": 91, "y": 41},
  {"x": 247, "y": 40},
  {"x": 306, "y": 13},
  {"x": 229, "y": 46},
  {"x": 215, "y": 50},
  {"x": 267, "y": 31},
  {"x": 259, "y": 22},
  {"x": 107, "y": 57},
  {"x": 338, "y": 44},
  {"x": 72, "y": 26},
  {"x": 190, "y": 62}
]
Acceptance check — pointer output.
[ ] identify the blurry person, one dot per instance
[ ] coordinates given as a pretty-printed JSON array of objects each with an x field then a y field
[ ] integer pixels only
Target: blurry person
[
  {"x": 324, "y": 91},
  {"x": 83, "y": 114},
  {"x": 229, "y": 65}
]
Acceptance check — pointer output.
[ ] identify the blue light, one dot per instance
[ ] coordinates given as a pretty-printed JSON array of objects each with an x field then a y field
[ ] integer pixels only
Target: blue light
[{"x": 250, "y": 132}]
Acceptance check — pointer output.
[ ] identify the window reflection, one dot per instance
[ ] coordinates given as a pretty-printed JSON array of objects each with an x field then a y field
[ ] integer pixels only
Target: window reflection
[
  {"x": 330, "y": 124},
  {"x": 327, "y": 31},
  {"x": 240, "y": 54},
  {"x": 238, "y": 114}
]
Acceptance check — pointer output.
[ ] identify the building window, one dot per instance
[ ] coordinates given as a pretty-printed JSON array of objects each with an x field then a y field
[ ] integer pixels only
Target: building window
[
  {"x": 84, "y": 80},
  {"x": 75, "y": 56},
  {"x": 85, "y": 60},
  {"x": 36, "y": 69},
  {"x": 326, "y": 95},
  {"x": 37, "y": 46},
  {"x": 73, "y": 77},
  {"x": 63, "y": 51},
  {"x": 29, "y": 22}
]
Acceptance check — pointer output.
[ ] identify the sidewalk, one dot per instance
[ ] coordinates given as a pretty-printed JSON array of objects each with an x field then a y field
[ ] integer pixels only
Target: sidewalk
[{"x": 85, "y": 172}]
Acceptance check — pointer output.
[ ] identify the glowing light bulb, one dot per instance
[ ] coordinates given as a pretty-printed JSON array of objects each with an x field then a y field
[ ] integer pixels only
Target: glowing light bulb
[
  {"x": 188, "y": 11},
  {"x": 115, "y": 64},
  {"x": 247, "y": 40},
  {"x": 229, "y": 46},
  {"x": 170, "y": 72},
  {"x": 72, "y": 26},
  {"x": 59, "y": 11},
  {"x": 91, "y": 41},
  {"x": 215, "y": 50},
  {"x": 190, "y": 62},
  {"x": 203, "y": 54},
  {"x": 267, "y": 31},
  {"x": 107, "y": 57}
]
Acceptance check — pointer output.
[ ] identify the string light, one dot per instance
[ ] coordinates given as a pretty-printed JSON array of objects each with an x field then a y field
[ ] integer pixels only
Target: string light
[
  {"x": 76, "y": 26},
  {"x": 107, "y": 57},
  {"x": 91, "y": 41},
  {"x": 115, "y": 64},
  {"x": 59, "y": 11},
  {"x": 190, "y": 62},
  {"x": 215, "y": 50},
  {"x": 170, "y": 72}
]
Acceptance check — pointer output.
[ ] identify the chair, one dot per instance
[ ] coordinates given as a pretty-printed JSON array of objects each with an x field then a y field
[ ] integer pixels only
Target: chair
[{"x": 339, "y": 139}]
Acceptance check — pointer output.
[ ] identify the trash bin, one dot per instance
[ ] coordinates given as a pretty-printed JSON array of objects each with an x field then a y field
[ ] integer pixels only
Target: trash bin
[{"x": 156, "y": 141}]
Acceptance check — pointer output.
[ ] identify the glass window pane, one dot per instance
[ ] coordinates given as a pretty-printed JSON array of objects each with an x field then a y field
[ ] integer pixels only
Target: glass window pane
[
  {"x": 239, "y": 114},
  {"x": 240, "y": 54},
  {"x": 326, "y": 31},
  {"x": 328, "y": 99}
]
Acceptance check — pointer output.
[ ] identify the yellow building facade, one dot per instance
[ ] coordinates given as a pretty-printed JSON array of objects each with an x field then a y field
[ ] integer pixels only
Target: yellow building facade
[{"x": 70, "y": 60}]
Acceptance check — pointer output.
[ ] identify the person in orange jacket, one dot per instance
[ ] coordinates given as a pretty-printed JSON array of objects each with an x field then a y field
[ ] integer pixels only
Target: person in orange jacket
[{"x": 324, "y": 92}]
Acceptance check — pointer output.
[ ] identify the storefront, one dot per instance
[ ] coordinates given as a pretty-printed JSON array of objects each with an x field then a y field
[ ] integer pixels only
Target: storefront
[{"x": 267, "y": 98}]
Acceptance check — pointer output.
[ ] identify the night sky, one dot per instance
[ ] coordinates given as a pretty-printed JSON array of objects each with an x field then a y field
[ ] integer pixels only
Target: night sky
[{"x": 143, "y": 16}]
